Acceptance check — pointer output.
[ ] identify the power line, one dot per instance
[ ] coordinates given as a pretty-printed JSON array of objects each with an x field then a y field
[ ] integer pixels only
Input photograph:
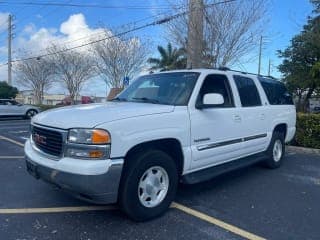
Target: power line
[
  {"x": 154, "y": 23},
  {"x": 132, "y": 7},
  {"x": 103, "y": 31}
]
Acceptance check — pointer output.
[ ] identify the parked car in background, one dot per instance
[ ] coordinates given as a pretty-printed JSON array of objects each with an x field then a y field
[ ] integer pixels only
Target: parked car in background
[
  {"x": 9, "y": 107},
  {"x": 67, "y": 101}
]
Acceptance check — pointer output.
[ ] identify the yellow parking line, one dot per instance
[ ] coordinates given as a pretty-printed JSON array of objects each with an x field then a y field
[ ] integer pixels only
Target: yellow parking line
[
  {"x": 178, "y": 206},
  {"x": 11, "y": 157},
  {"x": 56, "y": 209},
  {"x": 216, "y": 222},
  {"x": 12, "y": 141}
]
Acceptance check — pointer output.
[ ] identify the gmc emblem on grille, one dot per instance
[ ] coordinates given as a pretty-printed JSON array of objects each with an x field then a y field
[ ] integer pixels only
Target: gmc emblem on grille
[{"x": 39, "y": 139}]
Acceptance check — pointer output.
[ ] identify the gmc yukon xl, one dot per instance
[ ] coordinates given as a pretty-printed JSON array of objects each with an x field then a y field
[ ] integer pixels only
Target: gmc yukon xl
[{"x": 187, "y": 126}]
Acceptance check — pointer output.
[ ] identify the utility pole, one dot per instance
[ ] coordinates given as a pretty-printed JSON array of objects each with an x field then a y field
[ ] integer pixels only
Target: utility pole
[
  {"x": 269, "y": 67},
  {"x": 260, "y": 53},
  {"x": 9, "y": 49},
  {"x": 195, "y": 34}
]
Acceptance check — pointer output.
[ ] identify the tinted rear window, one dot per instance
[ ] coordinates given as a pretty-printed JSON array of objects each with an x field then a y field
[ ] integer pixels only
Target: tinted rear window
[
  {"x": 276, "y": 92},
  {"x": 249, "y": 95}
]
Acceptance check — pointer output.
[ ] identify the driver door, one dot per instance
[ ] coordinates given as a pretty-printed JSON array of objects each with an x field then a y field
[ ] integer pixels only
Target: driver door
[{"x": 216, "y": 132}]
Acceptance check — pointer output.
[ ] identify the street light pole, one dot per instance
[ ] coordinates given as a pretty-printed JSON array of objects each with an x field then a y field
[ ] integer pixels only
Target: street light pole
[{"x": 9, "y": 49}]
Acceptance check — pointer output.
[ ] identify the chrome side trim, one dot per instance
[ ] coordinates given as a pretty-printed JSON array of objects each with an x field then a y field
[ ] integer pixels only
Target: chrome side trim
[{"x": 233, "y": 141}]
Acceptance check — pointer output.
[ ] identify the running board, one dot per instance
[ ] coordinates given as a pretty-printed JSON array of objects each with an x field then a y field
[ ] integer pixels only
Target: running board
[{"x": 208, "y": 173}]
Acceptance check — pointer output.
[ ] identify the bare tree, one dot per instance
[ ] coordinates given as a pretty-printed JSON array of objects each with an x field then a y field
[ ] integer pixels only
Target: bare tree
[
  {"x": 73, "y": 68},
  {"x": 231, "y": 30},
  {"x": 118, "y": 58},
  {"x": 36, "y": 74}
]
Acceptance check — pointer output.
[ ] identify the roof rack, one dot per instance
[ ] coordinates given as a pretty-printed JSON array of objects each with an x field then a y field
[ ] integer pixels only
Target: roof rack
[{"x": 228, "y": 69}]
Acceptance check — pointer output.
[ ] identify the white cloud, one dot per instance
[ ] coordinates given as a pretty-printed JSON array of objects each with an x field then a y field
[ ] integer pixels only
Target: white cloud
[
  {"x": 72, "y": 32},
  {"x": 76, "y": 24},
  {"x": 29, "y": 29},
  {"x": 3, "y": 21}
]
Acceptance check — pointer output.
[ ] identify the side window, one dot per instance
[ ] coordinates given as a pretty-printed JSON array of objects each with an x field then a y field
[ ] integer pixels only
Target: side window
[
  {"x": 249, "y": 95},
  {"x": 217, "y": 83},
  {"x": 276, "y": 92}
]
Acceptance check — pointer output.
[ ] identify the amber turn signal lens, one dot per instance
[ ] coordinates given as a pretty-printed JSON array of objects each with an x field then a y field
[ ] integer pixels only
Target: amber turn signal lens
[
  {"x": 100, "y": 137},
  {"x": 96, "y": 154}
]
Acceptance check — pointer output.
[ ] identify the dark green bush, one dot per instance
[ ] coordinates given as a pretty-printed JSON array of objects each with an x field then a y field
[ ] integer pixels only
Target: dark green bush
[
  {"x": 308, "y": 130},
  {"x": 47, "y": 107}
]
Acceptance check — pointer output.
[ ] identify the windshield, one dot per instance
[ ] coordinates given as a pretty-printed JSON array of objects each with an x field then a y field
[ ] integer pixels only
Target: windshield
[{"x": 165, "y": 88}]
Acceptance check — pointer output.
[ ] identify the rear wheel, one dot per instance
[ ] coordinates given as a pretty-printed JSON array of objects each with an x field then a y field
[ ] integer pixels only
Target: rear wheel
[
  {"x": 31, "y": 113},
  {"x": 148, "y": 185},
  {"x": 276, "y": 150}
]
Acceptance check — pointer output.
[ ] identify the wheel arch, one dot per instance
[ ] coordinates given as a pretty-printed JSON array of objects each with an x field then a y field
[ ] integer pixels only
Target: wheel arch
[
  {"x": 281, "y": 127},
  {"x": 171, "y": 146}
]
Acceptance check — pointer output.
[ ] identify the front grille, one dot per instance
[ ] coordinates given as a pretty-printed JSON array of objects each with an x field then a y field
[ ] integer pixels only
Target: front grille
[{"x": 48, "y": 141}]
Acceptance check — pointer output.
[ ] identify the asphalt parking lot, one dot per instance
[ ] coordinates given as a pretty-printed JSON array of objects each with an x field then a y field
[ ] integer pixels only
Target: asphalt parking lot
[{"x": 252, "y": 203}]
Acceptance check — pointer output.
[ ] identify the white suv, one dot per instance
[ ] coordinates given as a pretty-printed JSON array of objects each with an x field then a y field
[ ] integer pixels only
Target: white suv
[{"x": 187, "y": 126}]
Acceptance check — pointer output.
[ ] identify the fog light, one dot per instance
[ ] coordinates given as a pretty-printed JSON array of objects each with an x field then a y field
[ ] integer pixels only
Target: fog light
[{"x": 85, "y": 153}]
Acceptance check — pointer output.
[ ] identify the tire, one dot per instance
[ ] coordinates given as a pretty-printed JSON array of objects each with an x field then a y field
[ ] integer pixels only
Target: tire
[
  {"x": 275, "y": 151},
  {"x": 136, "y": 188},
  {"x": 31, "y": 113}
]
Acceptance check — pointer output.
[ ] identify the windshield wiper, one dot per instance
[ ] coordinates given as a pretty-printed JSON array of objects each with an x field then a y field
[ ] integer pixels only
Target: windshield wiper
[
  {"x": 148, "y": 100},
  {"x": 119, "y": 99}
]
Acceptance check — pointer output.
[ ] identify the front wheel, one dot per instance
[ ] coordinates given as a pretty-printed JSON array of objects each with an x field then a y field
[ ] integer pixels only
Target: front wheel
[{"x": 148, "y": 185}]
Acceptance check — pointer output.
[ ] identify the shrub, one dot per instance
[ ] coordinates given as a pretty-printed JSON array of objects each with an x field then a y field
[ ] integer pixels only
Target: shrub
[
  {"x": 308, "y": 130},
  {"x": 46, "y": 107}
]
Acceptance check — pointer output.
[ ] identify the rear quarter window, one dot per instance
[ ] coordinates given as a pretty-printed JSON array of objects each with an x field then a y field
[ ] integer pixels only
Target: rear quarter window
[{"x": 276, "y": 92}]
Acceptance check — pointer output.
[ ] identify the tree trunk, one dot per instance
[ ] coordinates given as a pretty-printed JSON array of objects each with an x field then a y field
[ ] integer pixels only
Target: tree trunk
[{"x": 306, "y": 100}]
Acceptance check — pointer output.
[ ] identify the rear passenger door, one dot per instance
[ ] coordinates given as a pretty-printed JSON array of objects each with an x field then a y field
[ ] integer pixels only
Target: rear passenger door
[{"x": 253, "y": 115}]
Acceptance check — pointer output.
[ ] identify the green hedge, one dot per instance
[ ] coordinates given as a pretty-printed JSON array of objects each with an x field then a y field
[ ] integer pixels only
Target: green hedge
[
  {"x": 46, "y": 107},
  {"x": 308, "y": 130}
]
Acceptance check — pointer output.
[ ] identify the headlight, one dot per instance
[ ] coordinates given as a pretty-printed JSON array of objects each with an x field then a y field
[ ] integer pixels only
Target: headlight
[
  {"x": 88, "y": 143},
  {"x": 88, "y": 136}
]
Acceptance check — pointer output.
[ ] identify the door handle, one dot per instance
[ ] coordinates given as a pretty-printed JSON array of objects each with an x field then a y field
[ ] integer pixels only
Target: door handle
[
  {"x": 237, "y": 118},
  {"x": 262, "y": 116}
]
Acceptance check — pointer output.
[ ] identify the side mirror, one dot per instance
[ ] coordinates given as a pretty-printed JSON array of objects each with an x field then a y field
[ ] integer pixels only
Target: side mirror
[{"x": 211, "y": 100}]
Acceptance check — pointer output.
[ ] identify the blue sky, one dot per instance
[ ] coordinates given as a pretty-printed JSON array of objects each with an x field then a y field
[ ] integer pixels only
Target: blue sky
[{"x": 34, "y": 25}]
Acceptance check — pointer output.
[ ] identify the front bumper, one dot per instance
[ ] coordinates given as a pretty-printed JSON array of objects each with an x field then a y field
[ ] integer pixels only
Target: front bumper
[{"x": 95, "y": 181}]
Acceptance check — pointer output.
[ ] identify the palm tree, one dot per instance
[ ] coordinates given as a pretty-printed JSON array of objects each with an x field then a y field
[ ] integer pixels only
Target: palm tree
[{"x": 170, "y": 58}]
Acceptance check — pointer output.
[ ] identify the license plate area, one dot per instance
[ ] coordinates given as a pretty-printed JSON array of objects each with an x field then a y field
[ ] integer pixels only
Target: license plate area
[{"x": 32, "y": 169}]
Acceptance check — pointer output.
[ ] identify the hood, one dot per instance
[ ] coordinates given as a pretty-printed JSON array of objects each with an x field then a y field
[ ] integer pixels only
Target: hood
[{"x": 91, "y": 115}]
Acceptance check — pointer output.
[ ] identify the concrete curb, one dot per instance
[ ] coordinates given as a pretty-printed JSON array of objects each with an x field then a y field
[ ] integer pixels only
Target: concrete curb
[{"x": 303, "y": 149}]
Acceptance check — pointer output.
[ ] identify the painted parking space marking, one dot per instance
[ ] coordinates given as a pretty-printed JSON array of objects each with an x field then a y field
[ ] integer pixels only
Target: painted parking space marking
[
  {"x": 11, "y": 157},
  {"x": 180, "y": 207},
  {"x": 56, "y": 209},
  {"x": 217, "y": 222},
  {"x": 22, "y": 131},
  {"x": 11, "y": 140}
]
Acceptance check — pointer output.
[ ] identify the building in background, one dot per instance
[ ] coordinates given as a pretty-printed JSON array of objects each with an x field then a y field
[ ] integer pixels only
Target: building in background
[{"x": 27, "y": 97}]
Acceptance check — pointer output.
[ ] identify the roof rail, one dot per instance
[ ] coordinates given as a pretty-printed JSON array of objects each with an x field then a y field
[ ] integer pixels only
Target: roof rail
[{"x": 228, "y": 69}]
